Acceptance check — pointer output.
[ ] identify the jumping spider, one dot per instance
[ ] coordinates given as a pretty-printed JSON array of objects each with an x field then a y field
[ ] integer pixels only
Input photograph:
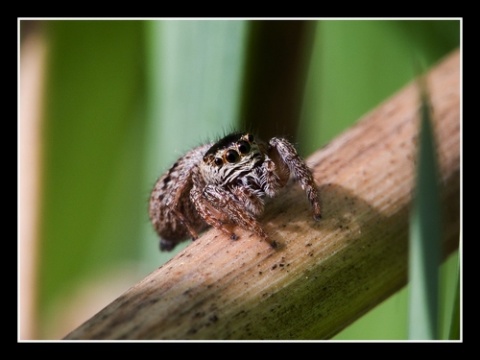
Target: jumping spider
[{"x": 224, "y": 185}]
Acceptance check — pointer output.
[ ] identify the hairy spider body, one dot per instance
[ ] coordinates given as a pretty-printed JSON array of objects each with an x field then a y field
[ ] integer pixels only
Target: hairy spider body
[{"x": 224, "y": 184}]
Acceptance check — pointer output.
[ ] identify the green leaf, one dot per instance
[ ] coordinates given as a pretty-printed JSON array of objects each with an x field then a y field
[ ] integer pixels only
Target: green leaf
[
  {"x": 454, "y": 333},
  {"x": 425, "y": 236},
  {"x": 91, "y": 134}
]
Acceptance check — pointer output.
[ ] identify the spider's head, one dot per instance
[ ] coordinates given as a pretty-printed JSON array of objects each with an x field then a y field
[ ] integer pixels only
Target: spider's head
[{"x": 232, "y": 156}]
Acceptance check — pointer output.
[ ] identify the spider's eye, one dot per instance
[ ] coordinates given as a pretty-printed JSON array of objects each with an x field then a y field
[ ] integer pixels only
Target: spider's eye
[
  {"x": 218, "y": 161},
  {"x": 232, "y": 156},
  {"x": 250, "y": 137},
  {"x": 243, "y": 147}
]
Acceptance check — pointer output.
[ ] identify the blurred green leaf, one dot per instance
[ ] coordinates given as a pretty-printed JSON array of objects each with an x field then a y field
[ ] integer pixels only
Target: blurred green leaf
[
  {"x": 357, "y": 64},
  {"x": 91, "y": 132},
  {"x": 454, "y": 331},
  {"x": 274, "y": 76},
  {"x": 425, "y": 235}
]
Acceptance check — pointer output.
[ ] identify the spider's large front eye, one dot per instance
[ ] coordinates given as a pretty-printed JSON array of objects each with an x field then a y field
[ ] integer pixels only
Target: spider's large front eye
[
  {"x": 243, "y": 147},
  {"x": 232, "y": 156}
]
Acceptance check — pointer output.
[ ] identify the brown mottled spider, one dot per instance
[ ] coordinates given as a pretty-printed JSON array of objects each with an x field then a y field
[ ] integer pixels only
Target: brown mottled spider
[{"x": 224, "y": 185}]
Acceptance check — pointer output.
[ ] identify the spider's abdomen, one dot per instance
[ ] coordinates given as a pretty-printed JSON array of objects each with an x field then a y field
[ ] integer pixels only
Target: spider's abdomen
[{"x": 173, "y": 215}]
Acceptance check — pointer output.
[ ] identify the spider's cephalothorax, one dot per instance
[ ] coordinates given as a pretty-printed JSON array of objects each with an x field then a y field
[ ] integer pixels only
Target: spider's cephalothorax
[{"x": 224, "y": 185}]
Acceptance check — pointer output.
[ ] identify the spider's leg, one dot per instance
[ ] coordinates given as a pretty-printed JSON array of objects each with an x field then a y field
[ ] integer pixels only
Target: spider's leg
[
  {"x": 210, "y": 213},
  {"x": 283, "y": 153},
  {"x": 223, "y": 209}
]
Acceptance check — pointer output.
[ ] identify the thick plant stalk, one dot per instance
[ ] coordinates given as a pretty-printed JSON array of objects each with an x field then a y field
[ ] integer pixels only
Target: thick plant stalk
[{"x": 326, "y": 274}]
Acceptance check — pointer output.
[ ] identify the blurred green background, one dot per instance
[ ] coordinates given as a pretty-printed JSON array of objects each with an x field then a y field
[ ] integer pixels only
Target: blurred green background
[{"x": 124, "y": 99}]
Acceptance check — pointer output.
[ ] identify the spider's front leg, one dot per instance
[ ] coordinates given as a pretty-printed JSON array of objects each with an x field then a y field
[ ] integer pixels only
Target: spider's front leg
[
  {"x": 224, "y": 209},
  {"x": 209, "y": 212},
  {"x": 287, "y": 161}
]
